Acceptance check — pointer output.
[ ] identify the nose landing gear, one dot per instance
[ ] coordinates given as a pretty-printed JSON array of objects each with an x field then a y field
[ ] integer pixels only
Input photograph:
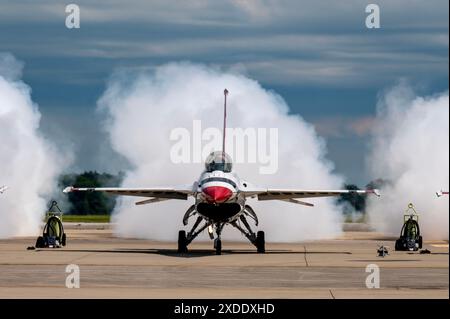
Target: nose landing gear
[{"x": 218, "y": 241}]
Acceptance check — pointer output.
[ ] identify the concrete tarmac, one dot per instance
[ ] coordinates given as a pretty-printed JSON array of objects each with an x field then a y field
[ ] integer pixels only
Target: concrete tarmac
[{"x": 113, "y": 267}]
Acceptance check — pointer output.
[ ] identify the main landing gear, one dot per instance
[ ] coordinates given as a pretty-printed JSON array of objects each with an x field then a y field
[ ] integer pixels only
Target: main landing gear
[
  {"x": 182, "y": 242},
  {"x": 257, "y": 239},
  {"x": 185, "y": 239}
]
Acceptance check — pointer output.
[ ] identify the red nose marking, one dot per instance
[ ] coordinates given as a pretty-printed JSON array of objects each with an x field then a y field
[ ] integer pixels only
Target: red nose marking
[{"x": 217, "y": 194}]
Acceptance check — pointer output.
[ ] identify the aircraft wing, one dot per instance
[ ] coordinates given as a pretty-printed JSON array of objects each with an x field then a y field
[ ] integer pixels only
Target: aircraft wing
[
  {"x": 291, "y": 195},
  {"x": 441, "y": 193},
  {"x": 157, "y": 194}
]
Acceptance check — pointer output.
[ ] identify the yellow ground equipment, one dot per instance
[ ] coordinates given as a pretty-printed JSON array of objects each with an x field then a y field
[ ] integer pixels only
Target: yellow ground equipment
[
  {"x": 53, "y": 235},
  {"x": 410, "y": 239}
]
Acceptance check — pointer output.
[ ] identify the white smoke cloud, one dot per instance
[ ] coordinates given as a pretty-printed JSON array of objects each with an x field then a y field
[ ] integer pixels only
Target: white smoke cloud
[
  {"x": 29, "y": 164},
  {"x": 143, "y": 108},
  {"x": 411, "y": 149}
]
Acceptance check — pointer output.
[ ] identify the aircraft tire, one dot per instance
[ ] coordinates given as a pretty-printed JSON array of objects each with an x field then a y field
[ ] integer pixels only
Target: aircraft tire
[
  {"x": 218, "y": 246},
  {"x": 260, "y": 242},
  {"x": 182, "y": 242}
]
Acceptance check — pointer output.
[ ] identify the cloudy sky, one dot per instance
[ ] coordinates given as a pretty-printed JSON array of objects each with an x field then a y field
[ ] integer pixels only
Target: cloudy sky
[{"x": 318, "y": 55}]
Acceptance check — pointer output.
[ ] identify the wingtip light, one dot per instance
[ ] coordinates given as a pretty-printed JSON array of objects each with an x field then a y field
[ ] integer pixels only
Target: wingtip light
[{"x": 375, "y": 191}]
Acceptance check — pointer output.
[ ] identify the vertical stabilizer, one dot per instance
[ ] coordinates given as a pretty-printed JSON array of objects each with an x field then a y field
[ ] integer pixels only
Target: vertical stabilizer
[{"x": 225, "y": 93}]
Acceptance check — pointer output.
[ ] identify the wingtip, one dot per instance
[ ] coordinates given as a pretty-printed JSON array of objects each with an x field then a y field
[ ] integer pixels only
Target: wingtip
[
  {"x": 374, "y": 191},
  {"x": 68, "y": 189}
]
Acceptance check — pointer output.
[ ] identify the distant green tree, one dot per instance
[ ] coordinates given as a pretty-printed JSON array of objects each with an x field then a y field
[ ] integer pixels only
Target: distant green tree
[
  {"x": 356, "y": 201},
  {"x": 91, "y": 203}
]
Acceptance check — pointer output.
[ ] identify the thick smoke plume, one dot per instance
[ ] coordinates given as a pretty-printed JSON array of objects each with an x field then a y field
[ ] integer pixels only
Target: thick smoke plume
[
  {"x": 411, "y": 151},
  {"x": 142, "y": 110},
  {"x": 29, "y": 164}
]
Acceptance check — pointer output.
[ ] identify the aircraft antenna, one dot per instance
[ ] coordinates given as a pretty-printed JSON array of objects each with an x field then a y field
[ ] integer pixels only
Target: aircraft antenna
[{"x": 225, "y": 93}]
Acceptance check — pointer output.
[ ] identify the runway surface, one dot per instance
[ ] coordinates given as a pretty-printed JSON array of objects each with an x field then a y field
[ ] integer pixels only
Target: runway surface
[{"x": 131, "y": 268}]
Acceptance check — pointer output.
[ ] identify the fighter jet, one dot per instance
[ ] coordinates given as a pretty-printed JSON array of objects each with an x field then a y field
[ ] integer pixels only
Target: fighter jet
[
  {"x": 3, "y": 189},
  {"x": 220, "y": 199},
  {"x": 441, "y": 193}
]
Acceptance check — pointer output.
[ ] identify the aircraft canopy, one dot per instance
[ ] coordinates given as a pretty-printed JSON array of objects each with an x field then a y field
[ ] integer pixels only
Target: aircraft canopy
[{"x": 218, "y": 161}]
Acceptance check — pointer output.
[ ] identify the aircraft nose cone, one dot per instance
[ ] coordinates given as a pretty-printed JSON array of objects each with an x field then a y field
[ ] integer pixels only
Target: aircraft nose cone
[{"x": 217, "y": 194}]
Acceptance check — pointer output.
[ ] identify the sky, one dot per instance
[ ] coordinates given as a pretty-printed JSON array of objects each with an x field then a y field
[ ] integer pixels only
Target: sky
[{"x": 318, "y": 55}]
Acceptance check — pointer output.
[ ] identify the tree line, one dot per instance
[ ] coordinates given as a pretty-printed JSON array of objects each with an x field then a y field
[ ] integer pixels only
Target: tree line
[{"x": 90, "y": 203}]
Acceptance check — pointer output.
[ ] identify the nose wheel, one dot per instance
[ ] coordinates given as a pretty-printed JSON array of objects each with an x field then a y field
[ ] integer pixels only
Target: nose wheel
[
  {"x": 218, "y": 246},
  {"x": 218, "y": 241}
]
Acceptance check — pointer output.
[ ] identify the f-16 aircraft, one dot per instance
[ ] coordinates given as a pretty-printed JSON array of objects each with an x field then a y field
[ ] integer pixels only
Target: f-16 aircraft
[
  {"x": 3, "y": 189},
  {"x": 441, "y": 193},
  {"x": 220, "y": 199}
]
